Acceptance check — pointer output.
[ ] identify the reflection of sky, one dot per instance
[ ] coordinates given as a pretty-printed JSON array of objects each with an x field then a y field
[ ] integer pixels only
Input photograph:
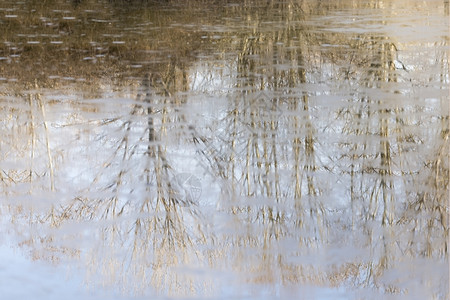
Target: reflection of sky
[
  {"x": 217, "y": 77},
  {"x": 22, "y": 278}
]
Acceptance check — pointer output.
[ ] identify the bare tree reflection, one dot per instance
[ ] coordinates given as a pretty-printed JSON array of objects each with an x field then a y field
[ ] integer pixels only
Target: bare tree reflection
[{"x": 330, "y": 166}]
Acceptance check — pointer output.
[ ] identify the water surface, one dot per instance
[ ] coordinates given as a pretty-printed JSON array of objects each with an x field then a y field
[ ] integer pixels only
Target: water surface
[{"x": 230, "y": 149}]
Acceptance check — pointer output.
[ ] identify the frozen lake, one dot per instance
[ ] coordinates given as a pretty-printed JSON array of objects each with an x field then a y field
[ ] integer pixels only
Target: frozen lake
[{"x": 225, "y": 150}]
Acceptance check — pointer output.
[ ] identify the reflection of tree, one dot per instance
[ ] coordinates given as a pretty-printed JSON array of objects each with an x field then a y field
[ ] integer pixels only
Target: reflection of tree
[
  {"x": 382, "y": 167},
  {"x": 149, "y": 220},
  {"x": 272, "y": 154},
  {"x": 376, "y": 129},
  {"x": 279, "y": 154}
]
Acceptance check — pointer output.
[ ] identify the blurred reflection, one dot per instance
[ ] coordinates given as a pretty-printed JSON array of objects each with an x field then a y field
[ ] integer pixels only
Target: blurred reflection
[{"x": 318, "y": 145}]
